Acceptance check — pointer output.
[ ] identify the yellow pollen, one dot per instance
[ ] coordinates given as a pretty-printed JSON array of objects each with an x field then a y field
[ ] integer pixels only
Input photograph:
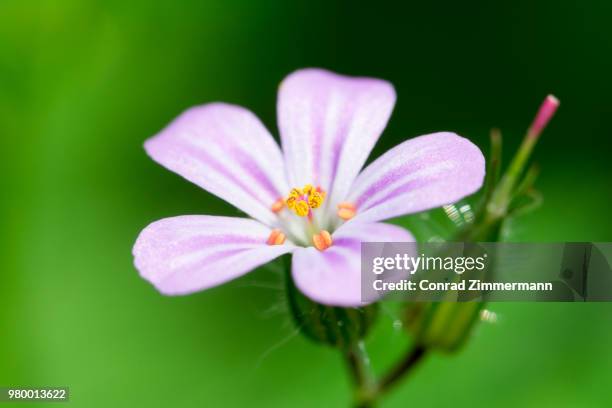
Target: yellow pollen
[
  {"x": 322, "y": 240},
  {"x": 308, "y": 189},
  {"x": 301, "y": 208},
  {"x": 296, "y": 192},
  {"x": 346, "y": 210},
  {"x": 278, "y": 205},
  {"x": 316, "y": 199},
  {"x": 276, "y": 237},
  {"x": 302, "y": 201}
]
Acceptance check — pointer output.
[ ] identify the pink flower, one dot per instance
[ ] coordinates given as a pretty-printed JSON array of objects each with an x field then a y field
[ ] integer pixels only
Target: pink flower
[{"x": 310, "y": 199}]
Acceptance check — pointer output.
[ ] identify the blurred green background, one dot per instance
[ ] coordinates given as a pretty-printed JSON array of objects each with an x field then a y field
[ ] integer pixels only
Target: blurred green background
[{"x": 83, "y": 84}]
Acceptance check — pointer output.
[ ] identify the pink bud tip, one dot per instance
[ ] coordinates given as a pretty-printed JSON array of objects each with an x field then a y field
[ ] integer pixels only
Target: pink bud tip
[{"x": 546, "y": 112}]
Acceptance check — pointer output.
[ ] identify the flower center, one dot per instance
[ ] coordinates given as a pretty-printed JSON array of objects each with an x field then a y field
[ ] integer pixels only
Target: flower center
[
  {"x": 303, "y": 201},
  {"x": 298, "y": 221},
  {"x": 305, "y": 229}
]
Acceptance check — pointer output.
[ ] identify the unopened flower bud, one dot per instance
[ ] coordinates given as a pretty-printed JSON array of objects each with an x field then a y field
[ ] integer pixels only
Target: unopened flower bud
[{"x": 545, "y": 113}]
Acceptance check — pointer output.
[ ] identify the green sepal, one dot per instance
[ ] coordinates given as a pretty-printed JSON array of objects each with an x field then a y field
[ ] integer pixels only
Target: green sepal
[
  {"x": 334, "y": 326},
  {"x": 444, "y": 326}
]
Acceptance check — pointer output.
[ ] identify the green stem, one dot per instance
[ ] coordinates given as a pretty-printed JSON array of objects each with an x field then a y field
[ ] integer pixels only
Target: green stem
[
  {"x": 494, "y": 165},
  {"x": 501, "y": 197},
  {"x": 368, "y": 390},
  {"x": 365, "y": 382},
  {"x": 405, "y": 366}
]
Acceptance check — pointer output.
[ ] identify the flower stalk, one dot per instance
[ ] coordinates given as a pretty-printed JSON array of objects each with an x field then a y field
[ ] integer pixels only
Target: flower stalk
[
  {"x": 404, "y": 367},
  {"x": 445, "y": 326},
  {"x": 500, "y": 201},
  {"x": 366, "y": 387},
  {"x": 501, "y": 196}
]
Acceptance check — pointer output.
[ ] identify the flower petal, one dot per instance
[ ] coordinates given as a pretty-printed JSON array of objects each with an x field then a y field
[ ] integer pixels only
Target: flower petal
[
  {"x": 227, "y": 151},
  {"x": 333, "y": 276},
  {"x": 419, "y": 174},
  {"x": 185, "y": 254},
  {"x": 328, "y": 125}
]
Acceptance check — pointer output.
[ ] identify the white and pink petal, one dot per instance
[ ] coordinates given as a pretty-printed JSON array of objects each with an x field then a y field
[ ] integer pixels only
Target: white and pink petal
[
  {"x": 333, "y": 277},
  {"x": 186, "y": 254},
  {"x": 328, "y": 125},
  {"x": 226, "y": 150},
  {"x": 419, "y": 174}
]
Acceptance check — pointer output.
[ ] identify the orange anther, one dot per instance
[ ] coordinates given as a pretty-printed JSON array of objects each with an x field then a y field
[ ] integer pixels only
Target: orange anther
[
  {"x": 276, "y": 237},
  {"x": 278, "y": 205},
  {"x": 327, "y": 239},
  {"x": 346, "y": 210},
  {"x": 322, "y": 240}
]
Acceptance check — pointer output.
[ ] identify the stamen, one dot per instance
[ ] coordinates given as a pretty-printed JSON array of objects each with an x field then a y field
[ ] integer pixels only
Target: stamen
[
  {"x": 315, "y": 199},
  {"x": 346, "y": 210},
  {"x": 276, "y": 237},
  {"x": 327, "y": 239},
  {"x": 308, "y": 189},
  {"x": 294, "y": 196},
  {"x": 301, "y": 208},
  {"x": 322, "y": 240},
  {"x": 302, "y": 201},
  {"x": 278, "y": 205}
]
